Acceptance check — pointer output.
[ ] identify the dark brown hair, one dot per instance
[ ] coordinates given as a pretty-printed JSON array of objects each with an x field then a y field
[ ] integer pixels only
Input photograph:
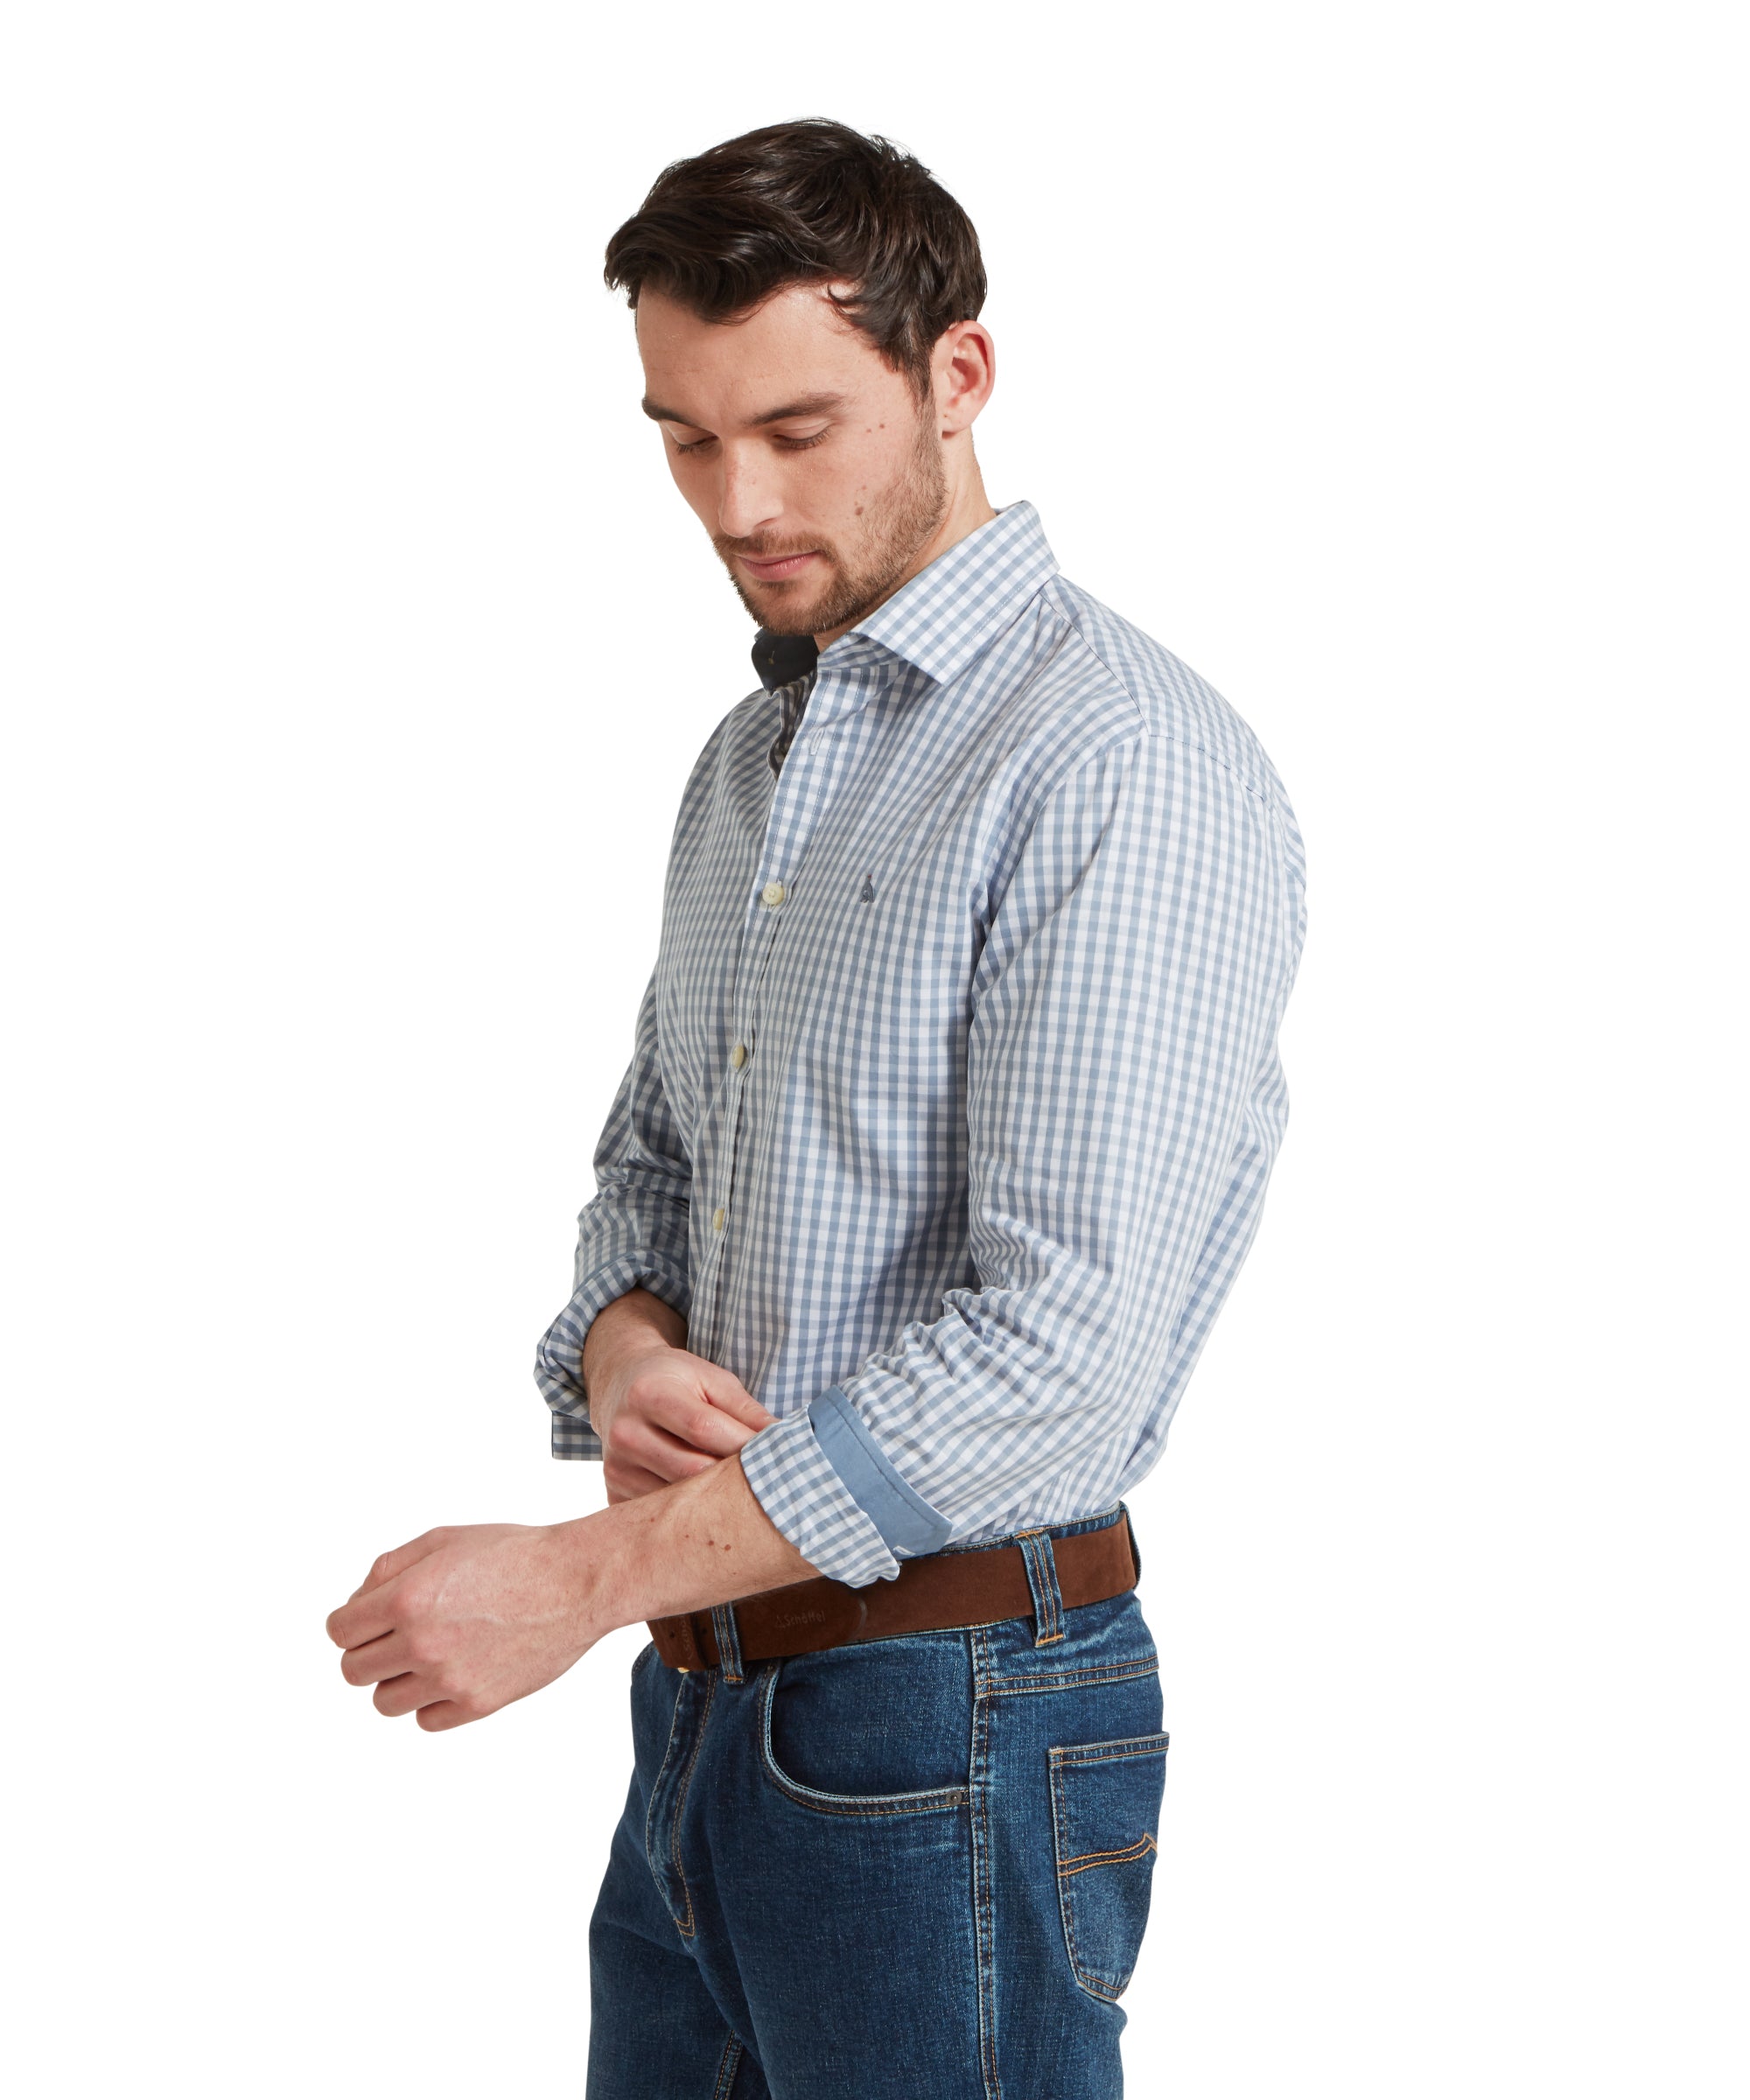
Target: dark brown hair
[{"x": 806, "y": 203}]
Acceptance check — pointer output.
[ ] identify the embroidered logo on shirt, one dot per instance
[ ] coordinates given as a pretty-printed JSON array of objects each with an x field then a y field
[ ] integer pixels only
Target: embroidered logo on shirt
[{"x": 866, "y": 895}]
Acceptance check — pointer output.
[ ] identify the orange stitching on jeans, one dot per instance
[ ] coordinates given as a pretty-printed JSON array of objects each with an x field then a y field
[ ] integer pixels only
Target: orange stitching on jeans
[
  {"x": 1060, "y": 1680},
  {"x": 1082, "y": 1861},
  {"x": 728, "y": 2064},
  {"x": 1109, "y": 1754}
]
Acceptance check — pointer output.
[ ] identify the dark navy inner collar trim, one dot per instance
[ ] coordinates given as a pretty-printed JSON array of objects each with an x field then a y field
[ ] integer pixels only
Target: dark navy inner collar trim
[{"x": 781, "y": 659}]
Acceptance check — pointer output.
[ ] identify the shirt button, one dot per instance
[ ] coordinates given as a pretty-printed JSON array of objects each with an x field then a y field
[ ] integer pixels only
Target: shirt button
[
  {"x": 773, "y": 895},
  {"x": 737, "y": 1057},
  {"x": 718, "y": 1216}
]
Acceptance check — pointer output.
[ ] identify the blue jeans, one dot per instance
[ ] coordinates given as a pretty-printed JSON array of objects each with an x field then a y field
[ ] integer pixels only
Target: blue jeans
[{"x": 913, "y": 1867}]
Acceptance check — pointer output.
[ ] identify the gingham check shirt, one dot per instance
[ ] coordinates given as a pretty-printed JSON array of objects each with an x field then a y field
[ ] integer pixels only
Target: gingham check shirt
[{"x": 955, "y": 1088}]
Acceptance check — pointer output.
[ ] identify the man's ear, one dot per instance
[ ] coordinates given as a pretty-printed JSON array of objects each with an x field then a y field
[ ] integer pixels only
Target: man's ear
[{"x": 963, "y": 366}]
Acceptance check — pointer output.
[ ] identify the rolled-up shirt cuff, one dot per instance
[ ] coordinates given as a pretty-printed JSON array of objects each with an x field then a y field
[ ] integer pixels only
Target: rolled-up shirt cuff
[{"x": 833, "y": 1493}]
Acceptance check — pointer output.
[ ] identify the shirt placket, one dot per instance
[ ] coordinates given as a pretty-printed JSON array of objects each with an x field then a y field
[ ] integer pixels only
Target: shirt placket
[{"x": 811, "y": 774}]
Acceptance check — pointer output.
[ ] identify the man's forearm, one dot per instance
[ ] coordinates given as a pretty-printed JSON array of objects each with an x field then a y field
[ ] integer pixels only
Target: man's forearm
[
  {"x": 460, "y": 1621},
  {"x": 694, "y": 1544}
]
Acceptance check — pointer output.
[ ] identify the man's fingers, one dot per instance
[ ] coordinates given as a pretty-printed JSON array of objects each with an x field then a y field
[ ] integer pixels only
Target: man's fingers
[
  {"x": 671, "y": 1430},
  {"x": 443, "y": 1713},
  {"x": 645, "y": 1443},
  {"x": 730, "y": 1397},
  {"x": 725, "y": 1392},
  {"x": 362, "y": 1618},
  {"x": 418, "y": 1696},
  {"x": 696, "y": 1421},
  {"x": 403, "y": 1694},
  {"x": 384, "y": 1657},
  {"x": 366, "y": 1613}
]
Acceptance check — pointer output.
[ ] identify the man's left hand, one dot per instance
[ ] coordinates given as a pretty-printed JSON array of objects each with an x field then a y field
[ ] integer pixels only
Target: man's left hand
[{"x": 462, "y": 1621}]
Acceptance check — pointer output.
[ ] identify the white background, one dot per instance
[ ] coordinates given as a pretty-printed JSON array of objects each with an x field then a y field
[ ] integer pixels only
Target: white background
[{"x": 1385, "y": 362}]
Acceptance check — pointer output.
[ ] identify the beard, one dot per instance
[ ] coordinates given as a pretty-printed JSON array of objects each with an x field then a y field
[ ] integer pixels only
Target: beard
[{"x": 894, "y": 526}]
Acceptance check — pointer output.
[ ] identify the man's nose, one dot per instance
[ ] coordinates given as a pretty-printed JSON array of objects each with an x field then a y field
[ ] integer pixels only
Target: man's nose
[{"x": 748, "y": 496}]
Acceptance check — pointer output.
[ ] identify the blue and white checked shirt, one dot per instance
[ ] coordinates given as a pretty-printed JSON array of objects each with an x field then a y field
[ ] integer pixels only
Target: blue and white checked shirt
[{"x": 955, "y": 1088}]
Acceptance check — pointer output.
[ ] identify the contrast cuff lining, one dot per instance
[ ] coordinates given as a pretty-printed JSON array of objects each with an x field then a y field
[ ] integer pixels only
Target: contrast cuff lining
[{"x": 905, "y": 1520}]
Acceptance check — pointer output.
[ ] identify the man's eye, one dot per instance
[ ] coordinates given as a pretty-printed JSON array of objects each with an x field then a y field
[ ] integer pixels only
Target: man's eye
[
  {"x": 698, "y": 446},
  {"x": 800, "y": 444}
]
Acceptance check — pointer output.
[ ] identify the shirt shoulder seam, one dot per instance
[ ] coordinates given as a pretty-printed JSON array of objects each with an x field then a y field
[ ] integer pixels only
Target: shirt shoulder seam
[{"x": 1151, "y": 728}]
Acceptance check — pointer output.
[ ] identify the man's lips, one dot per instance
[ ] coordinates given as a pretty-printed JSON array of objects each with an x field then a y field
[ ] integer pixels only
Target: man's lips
[{"x": 774, "y": 568}]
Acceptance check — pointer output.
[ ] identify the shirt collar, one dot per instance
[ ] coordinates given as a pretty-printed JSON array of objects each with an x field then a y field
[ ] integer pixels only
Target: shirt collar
[{"x": 950, "y": 611}]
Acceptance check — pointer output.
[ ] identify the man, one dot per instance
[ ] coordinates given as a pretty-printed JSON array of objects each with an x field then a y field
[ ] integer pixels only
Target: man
[{"x": 952, "y": 1098}]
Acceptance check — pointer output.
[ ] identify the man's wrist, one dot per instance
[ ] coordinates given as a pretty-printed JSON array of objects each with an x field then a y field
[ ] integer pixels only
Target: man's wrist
[
  {"x": 638, "y": 1319},
  {"x": 683, "y": 1548}
]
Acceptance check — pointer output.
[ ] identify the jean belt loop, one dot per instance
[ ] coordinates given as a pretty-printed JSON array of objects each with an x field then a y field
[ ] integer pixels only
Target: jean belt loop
[
  {"x": 728, "y": 1642},
  {"x": 1042, "y": 1581}
]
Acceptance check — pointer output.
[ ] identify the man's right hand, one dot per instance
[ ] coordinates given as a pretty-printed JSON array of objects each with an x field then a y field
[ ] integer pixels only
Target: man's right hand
[{"x": 663, "y": 1414}]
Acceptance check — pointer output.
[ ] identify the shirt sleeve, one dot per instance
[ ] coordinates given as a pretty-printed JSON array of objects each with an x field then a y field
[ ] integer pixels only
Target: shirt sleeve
[
  {"x": 1124, "y": 1098},
  {"x": 632, "y": 1231}
]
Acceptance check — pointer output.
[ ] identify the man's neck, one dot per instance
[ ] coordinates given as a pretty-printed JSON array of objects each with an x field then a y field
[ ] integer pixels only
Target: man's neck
[{"x": 969, "y": 507}]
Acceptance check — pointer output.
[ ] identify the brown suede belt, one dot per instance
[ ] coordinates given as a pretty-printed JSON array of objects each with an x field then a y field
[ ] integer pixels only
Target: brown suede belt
[{"x": 962, "y": 1588}]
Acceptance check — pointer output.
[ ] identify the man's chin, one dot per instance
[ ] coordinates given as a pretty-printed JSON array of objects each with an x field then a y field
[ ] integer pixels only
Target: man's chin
[{"x": 779, "y": 608}]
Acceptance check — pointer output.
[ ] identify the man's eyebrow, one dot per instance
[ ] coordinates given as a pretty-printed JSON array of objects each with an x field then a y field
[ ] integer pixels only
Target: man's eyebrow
[{"x": 807, "y": 404}]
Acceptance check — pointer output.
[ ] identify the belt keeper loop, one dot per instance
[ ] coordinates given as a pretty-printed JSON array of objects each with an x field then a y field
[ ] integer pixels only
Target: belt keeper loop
[
  {"x": 728, "y": 1642},
  {"x": 1036, "y": 1550}
]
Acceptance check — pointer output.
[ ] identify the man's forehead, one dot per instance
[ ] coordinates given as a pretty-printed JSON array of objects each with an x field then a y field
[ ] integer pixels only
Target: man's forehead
[{"x": 793, "y": 347}]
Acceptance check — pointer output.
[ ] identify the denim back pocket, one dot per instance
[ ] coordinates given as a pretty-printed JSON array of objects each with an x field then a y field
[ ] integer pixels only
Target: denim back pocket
[{"x": 1105, "y": 1807}]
